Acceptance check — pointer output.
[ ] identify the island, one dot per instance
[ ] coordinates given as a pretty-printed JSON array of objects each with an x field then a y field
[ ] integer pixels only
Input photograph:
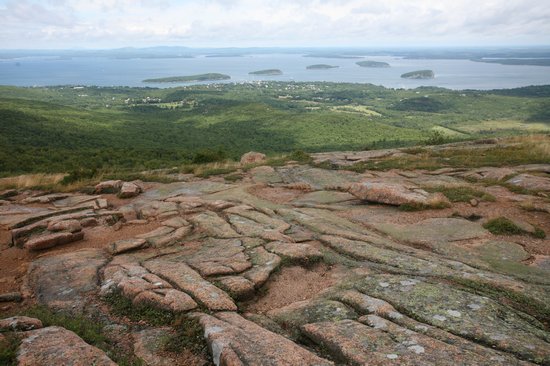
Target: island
[
  {"x": 321, "y": 67},
  {"x": 373, "y": 64},
  {"x": 419, "y": 74},
  {"x": 189, "y": 78},
  {"x": 266, "y": 72}
]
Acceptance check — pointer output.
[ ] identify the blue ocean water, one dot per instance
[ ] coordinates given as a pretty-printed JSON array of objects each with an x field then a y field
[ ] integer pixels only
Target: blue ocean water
[{"x": 452, "y": 74}]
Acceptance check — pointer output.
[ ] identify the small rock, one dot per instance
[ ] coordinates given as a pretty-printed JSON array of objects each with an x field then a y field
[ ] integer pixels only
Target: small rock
[
  {"x": 392, "y": 356},
  {"x": 416, "y": 349},
  {"x": 72, "y": 226},
  {"x": 126, "y": 245},
  {"x": 474, "y": 202},
  {"x": 252, "y": 158},
  {"x": 441, "y": 318},
  {"x": 129, "y": 190},
  {"x": 19, "y": 323},
  {"x": 89, "y": 222},
  {"x": 102, "y": 203},
  {"x": 11, "y": 297},
  {"x": 109, "y": 186}
]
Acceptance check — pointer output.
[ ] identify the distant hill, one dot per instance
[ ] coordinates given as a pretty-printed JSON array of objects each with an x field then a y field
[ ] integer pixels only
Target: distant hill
[
  {"x": 266, "y": 72},
  {"x": 321, "y": 67},
  {"x": 377, "y": 64},
  {"x": 331, "y": 55},
  {"x": 419, "y": 74},
  {"x": 189, "y": 78},
  {"x": 516, "y": 61}
]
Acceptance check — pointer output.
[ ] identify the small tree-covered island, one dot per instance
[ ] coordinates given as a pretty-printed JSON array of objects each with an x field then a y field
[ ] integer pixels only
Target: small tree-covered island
[
  {"x": 271, "y": 72},
  {"x": 321, "y": 67},
  {"x": 419, "y": 74},
  {"x": 376, "y": 64}
]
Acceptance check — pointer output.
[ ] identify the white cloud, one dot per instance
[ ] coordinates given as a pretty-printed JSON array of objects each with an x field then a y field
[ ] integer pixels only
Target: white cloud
[{"x": 113, "y": 23}]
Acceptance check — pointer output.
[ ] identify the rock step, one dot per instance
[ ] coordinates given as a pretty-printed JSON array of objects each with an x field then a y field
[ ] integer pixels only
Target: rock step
[
  {"x": 233, "y": 340},
  {"x": 52, "y": 240},
  {"x": 183, "y": 277}
]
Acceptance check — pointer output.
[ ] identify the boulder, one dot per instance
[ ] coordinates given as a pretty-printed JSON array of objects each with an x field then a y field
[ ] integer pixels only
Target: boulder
[
  {"x": 19, "y": 323},
  {"x": 109, "y": 186},
  {"x": 396, "y": 194},
  {"x": 252, "y": 158},
  {"x": 58, "y": 346},
  {"x": 129, "y": 190},
  {"x": 52, "y": 240}
]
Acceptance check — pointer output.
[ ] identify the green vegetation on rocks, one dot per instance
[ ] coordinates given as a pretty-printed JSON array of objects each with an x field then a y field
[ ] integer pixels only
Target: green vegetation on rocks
[{"x": 419, "y": 74}]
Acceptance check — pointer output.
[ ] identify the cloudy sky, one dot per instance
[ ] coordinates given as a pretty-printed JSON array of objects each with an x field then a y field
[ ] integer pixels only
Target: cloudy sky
[{"x": 228, "y": 23}]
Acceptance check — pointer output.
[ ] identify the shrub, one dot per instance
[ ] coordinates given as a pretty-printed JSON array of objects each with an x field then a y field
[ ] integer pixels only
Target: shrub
[
  {"x": 208, "y": 156},
  {"x": 435, "y": 137},
  {"x": 503, "y": 226},
  {"x": 189, "y": 335},
  {"x": 8, "y": 349}
]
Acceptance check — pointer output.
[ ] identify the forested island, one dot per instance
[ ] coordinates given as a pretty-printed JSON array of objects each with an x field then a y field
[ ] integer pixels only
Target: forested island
[
  {"x": 321, "y": 67},
  {"x": 189, "y": 78},
  {"x": 368, "y": 63},
  {"x": 271, "y": 72},
  {"x": 419, "y": 74}
]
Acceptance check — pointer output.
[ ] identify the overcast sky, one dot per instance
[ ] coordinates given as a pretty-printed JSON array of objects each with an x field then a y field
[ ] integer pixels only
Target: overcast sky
[{"x": 234, "y": 23}]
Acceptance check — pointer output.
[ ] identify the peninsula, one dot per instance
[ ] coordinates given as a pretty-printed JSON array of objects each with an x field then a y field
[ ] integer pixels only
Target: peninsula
[{"x": 189, "y": 78}]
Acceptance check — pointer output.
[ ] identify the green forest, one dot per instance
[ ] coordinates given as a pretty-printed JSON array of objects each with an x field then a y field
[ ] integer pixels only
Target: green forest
[{"x": 65, "y": 128}]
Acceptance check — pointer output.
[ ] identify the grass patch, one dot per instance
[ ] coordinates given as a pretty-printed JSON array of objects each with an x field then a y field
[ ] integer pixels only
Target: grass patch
[
  {"x": 503, "y": 226},
  {"x": 89, "y": 330},
  {"x": 123, "y": 307},
  {"x": 8, "y": 349},
  {"x": 188, "y": 336},
  {"x": 539, "y": 233},
  {"x": 233, "y": 177},
  {"x": 411, "y": 207},
  {"x": 213, "y": 171},
  {"x": 462, "y": 194}
]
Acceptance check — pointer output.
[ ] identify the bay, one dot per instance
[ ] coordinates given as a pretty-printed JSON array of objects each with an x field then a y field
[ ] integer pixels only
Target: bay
[{"x": 103, "y": 71}]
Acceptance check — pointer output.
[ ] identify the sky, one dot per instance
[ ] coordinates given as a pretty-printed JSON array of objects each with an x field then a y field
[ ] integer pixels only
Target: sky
[{"x": 48, "y": 24}]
